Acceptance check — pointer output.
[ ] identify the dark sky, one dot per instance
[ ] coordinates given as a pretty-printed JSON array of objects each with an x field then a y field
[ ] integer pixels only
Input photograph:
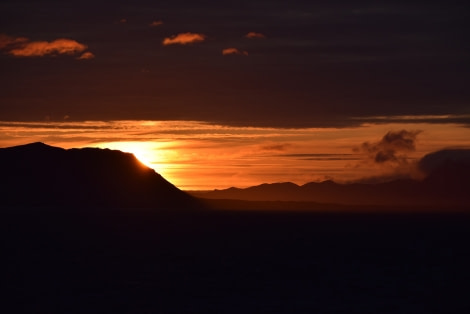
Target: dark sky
[{"x": 319, "y": 64}]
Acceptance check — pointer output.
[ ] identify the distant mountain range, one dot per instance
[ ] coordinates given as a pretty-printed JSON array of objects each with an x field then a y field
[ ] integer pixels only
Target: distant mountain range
[
  {"x": 447, "y": 184},
  {"x": 38, "y": 175}
]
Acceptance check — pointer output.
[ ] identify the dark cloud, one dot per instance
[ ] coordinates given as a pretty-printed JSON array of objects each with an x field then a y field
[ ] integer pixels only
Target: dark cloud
[
  {"x": 392, "y": 148},
  {"x": 447, "y": 175},
  {"x": 433, "y": 161},
  {"x": 444, "y": 170}
]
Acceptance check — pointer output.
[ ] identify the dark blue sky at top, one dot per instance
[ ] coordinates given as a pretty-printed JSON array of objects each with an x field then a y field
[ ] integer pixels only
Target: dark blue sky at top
[{"x": 321, "y": 63}]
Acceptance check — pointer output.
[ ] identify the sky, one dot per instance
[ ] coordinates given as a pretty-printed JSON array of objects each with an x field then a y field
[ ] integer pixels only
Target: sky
[{"x": 306, "y": 80}]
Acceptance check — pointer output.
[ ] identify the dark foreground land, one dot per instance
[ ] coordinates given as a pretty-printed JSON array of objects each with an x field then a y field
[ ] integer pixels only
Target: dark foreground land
[{"x": 234, "y": 262}]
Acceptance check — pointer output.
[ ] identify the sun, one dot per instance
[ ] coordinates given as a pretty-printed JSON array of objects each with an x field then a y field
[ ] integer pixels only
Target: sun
[{"x": 145, "y": 152}]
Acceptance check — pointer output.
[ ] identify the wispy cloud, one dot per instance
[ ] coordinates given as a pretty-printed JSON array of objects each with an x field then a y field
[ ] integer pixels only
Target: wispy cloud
[
  {"x": 184, "y": 39},
  {"x": 156, "y": 23},
  {"x": 9, "y": 41},
  {"x": 23, "y": 47},
  {"x": 276, "y": 147},
  {"x": 254, "y": 35},
  {"x": 443, "y": 118},
  {"x": 322, "y": 156},
  {"x": 234, "y": 51}
]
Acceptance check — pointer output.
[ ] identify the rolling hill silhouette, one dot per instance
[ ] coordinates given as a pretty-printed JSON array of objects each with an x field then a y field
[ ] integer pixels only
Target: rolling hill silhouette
[
  {"x": 445, "y": 185},
  {"x": 38, "y": 175}
]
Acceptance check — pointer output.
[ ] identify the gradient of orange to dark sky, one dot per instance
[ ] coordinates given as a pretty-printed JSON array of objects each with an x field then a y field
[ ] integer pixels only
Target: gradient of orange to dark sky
[{"x": 237, "y": 93}]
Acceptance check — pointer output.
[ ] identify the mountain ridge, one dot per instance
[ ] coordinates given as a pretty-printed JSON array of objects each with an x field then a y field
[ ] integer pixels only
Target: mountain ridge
[
  {"x": 39, "y": 175},
  {"x": 447, "y": 177}
]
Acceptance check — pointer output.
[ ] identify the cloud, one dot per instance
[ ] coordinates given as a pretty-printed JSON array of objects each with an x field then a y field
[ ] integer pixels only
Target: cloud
[
  {"x": 24, "y": 47},
  {"x": 430, "y": 118},
  {"x": 392, "y": 148},
  {"x": 276, "y": 147},
  {"x": 233, "y": 51},
  {"x": 432, "y": 161},
  {"x": 321, "y": 156},
  {"x": 8, "y": 41},
  {"x": 447, "y": 175},
  {"x": 254, "y": 35},
  {"x": 86, "y": 56},
  {"x": 43, "y": 48},
  {"x": 184, "y": 39},
  {"x": 156, "y": 23},
  {"x": 123, "y": 20}
]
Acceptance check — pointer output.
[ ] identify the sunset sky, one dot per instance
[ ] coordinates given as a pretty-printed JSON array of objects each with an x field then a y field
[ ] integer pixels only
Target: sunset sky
[{"x": 216, "y": 94}]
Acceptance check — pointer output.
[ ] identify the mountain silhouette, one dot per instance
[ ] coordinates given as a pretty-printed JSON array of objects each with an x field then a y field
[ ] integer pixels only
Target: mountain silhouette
[
  {"x": 61, "y": 254},
  {"x": 39, "y": 175},
  {"x": 447, "y": 178}
]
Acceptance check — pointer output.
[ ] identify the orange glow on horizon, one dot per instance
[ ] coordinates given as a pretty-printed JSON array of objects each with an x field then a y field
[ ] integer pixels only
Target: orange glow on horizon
[{"x": 201, "y": 156}]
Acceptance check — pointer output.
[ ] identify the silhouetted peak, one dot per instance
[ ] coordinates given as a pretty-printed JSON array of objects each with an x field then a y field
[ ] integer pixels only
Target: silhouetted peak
[
  {"x": 322, "y": 183},
  {"x": 33, "y": 147},
  {"x": 43, "y": 175},
  {"x": 278, "y": 185},
  {"x": 229, "y": 189}
]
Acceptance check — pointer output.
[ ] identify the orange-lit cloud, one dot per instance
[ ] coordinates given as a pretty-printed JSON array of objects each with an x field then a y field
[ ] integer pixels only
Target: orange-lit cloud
[
  {"x": 8, "y": 41},
  {"x": 86, "y": 56},
  {"x": 184, "y": 39},
  {"x": 253, "y": 35},
  {"x": 233, "y": 51},
  {"x": 43, "y": 48},
  {"x": 123, "y": 20},
  {"x": 24, "y": 47},
  {"x": 156, "y": 23}
]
